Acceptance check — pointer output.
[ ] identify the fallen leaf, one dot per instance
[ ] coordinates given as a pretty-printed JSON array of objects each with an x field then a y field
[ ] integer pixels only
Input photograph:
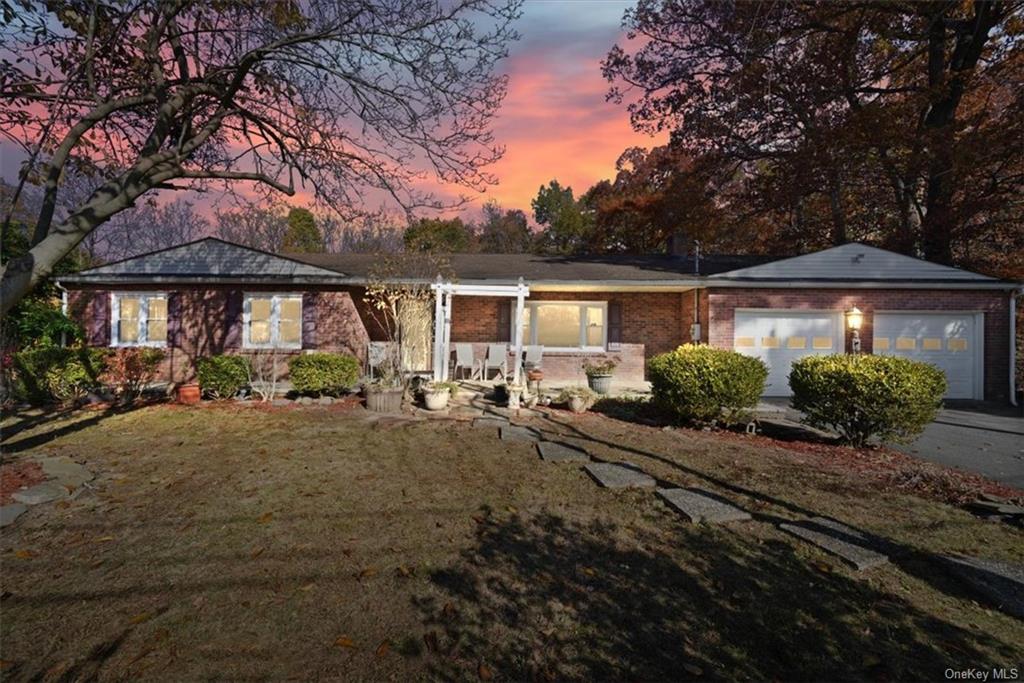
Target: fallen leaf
[
  {"x": 512, "y": 509},
  {"x": 589, "y": 572},
  {"x": 105, "y": 539},
  {"x": 484, "y": 672},
  {"x": 139, "y": 618},
  {"x": 369, "y": 571},
  {"x": 345, "y": 641},
  {"x": 96, "y": 564},
  {"x": 693, "y": 669},
  {"x": 63, "y": 504},
  {"x": 24, "y": 554},
  {"x": 308, "y": 587},
  {"x": 265, "y": 517},
  {"x": 383, "y": 648},
  {"x": 404, "y": 571},
  {"x": 256, "y": 553},
  {"x": 823, "y": 567}
]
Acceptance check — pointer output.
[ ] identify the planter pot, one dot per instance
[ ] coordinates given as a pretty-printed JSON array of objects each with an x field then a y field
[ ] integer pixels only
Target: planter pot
[
  {"x": 188, "y": 394},
  {"x": 436, "y": 400},
  {"x": 602, "y": 384},
  {"x": 534, "y": 375},
  {"x": 385, "y": 400},
  {"x": 514, "y": 397},
  {"x": 578, "y": 404}
]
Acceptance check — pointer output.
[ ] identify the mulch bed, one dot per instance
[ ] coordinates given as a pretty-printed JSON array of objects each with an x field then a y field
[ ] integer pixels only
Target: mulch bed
[{"x": 18, "y": 474}]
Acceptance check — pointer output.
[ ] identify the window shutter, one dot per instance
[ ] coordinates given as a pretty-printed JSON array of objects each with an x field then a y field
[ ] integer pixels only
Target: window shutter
[
  {"x": 233, "y": 320},
  {"x": 504, "y": 321},
  {"x": 309, "y": 300},
  {"x": 99, "y": 320},
  {"x": 174, "y": 319},
  {"x": 614, "y": 322}
]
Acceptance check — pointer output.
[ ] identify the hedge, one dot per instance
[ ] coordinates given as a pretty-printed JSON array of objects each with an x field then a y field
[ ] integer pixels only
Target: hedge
[
  {"x": 54, "y": 374},
  {"x": 222, "y": 377},
  {"x": 864, "y": 396},
  {"x": 323, "y": 373},
  {"x": 702, "y": 384}
]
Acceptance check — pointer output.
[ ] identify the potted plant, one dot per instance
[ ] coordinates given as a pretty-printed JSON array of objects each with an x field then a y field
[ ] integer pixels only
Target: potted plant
[
  {"x": 436, "y": 394},
  {"x": 577, "y": 398},
  {"x": 189, "y": 394},
  {"x": 599, "y": 374}
]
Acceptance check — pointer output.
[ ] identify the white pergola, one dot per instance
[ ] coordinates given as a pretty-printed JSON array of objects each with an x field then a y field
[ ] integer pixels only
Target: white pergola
[{"x": 443, "y": 293}]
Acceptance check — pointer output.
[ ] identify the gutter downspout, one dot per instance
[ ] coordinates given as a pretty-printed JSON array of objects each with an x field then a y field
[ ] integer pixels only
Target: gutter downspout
[
  {"x": 63, "y": 309},
  {"x": 695, "y": 331},
  {"x": 1013, "y": 344}
]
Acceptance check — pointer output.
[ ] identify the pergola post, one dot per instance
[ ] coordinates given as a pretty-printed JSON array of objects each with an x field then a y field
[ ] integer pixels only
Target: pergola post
[
  {"x": 518, "y": 338},
  {"x": 438, "y": 331},
  {"x": 447, "y": 334}
]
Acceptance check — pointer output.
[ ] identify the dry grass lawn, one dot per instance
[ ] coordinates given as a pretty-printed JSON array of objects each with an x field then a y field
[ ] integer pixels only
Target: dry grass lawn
[{"x": 237, "y": 543}]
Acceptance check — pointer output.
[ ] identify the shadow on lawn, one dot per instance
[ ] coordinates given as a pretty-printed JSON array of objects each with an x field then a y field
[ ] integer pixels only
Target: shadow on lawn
[
  {"x": 548, "y": 599},
  {"x": 33, "y": 421}
]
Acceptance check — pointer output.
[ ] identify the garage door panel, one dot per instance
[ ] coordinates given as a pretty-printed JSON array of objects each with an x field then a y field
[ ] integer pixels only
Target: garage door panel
[
  {"x": 945, "y": 340},
  {"x": 781, "y": 337}
]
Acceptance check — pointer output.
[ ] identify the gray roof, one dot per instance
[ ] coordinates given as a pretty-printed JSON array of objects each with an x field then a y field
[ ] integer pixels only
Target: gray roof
[
  {"x": 205, "y": 260},
  {"x": 214, "y": 260},
  {"x": 854, "y": 262}
]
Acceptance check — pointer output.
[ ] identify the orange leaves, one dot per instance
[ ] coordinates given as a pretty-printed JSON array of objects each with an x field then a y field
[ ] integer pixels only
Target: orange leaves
[
  {"x": 345, "y": 642},
  {"x": 24, "y": 554},
  {"x": 265, "y": 518}
]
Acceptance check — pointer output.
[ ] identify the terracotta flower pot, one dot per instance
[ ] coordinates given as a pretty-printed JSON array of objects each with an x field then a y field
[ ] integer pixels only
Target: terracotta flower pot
[
  {"x": 535, "y": 375},
  {"x": 189, "y": 394}
]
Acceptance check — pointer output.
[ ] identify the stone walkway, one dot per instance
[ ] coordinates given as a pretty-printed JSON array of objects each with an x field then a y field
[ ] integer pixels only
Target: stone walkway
[{"x": 66, "y": 480}]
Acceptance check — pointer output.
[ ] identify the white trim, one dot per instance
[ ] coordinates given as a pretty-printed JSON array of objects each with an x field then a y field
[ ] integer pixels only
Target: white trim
[
  {"x": 530, "y": 308},
  {"x": 1013, "y": 345},
  {"x": 115, "y": 319},
  {"x": 275, "y": 319},
  {"x": 978, "y": 341}
]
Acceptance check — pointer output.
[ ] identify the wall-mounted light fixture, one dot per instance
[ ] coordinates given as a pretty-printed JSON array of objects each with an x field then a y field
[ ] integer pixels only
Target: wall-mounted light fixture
[{"x": 854, "y": 319}]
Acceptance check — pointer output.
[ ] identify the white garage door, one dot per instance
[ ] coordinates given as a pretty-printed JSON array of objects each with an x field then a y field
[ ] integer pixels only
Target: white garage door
[
  {"x": 949, "y": 341},
  {"x": 781, "y": 337}
]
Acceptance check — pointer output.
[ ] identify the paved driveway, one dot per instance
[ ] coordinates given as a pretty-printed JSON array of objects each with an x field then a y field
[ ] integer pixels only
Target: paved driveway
[
  {"x": 983, "y": 438},
  {"x": 988, "y": 440}
]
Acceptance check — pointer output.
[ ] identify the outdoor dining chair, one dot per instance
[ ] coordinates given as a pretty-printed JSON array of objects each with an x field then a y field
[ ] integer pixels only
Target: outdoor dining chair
[
  {"x": 534, "y": 357},
  {"x": 464, "y": 360},
  {"x": 497, "y": 359}
]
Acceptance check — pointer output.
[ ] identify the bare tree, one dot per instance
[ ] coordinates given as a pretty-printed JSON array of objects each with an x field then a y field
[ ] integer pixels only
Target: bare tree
[{"x": 347, "y": 97}]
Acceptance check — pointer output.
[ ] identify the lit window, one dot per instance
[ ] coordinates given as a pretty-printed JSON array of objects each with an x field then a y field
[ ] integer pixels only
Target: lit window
[
  {"x": 138, "y": 319},
  {"x": 273, "y": 321},
  {"x": 565, "y": 325}
]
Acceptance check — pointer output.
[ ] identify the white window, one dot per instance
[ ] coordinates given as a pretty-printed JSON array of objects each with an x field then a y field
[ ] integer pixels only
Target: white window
[
  {"x": 565, "y": 325},
  {"x": 272, "y": 321},
  {"x": 138, "y": 319}
]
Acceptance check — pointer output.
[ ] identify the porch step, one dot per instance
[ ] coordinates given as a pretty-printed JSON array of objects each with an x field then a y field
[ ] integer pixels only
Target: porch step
[{"x": 698, "y": 505}]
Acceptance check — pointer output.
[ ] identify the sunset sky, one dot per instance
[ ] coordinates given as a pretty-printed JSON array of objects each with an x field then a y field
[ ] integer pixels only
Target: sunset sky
[{"x": 555, "y": 122}]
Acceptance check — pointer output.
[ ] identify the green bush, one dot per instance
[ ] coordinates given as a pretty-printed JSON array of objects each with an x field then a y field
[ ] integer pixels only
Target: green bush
[
  {"x": 703, "y": 384},
  {"x": 864, "y": 396},
  {"x": 130, "y": 369},
  {"x": 323, "y": 373},
  {"x": 55, "y": 374},
  {"x": 222, "y": 377}
]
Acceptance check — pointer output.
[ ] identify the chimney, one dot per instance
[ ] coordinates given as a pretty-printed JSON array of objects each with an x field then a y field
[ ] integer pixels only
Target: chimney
[{"x": 678, "y": 245}]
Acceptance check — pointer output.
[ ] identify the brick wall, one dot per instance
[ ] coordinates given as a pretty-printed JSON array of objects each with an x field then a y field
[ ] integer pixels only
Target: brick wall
[
  {"x": 340, "y": 327},
  {"x": 994, "y": 304},
  {"x": 652, "y": 323}
]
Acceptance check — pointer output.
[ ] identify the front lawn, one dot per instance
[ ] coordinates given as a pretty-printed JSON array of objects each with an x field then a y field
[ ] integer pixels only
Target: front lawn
[{"x": 245, "y": 543}]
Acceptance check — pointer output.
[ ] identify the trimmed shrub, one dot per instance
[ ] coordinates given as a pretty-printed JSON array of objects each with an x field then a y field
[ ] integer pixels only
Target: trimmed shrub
[
  {"x": 54, "y": 374},
  {"x": 865, "y": 396},
  {"x": 129, "y": 370},
  {"x": 222, "y": 377},
  {"x": 702, "y": 384},
  {"x": 323, "y": 373}
]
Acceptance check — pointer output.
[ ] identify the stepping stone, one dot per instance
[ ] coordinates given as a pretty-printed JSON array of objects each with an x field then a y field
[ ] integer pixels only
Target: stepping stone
[
  {"x": 65, "y": 471},
  {"x": 9, "y": 513},
  {"x": 560, "y": 452},
  {"x": 698, "y": 505},
  {"x": 41, "y": 493},
  {"x": 517, "y": 433},
  {"x": 491, "y": 422},
  {"x": 619, "y": 475},
  {"x": 999, "y": 582},
  {"x": 848, "y": 544}
]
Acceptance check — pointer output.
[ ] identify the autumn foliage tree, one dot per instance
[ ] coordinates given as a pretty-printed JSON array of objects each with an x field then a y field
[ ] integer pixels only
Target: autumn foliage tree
[
  {"x": 899, "y": 123},
  {"x": 348, "y": 98}
]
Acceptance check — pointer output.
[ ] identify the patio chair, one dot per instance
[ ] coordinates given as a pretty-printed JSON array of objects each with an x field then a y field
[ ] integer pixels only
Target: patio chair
[
  {"x": 464, "y": 360},
  {"x": 533, "y": 358},
  {"x": 497, "y": 359}
]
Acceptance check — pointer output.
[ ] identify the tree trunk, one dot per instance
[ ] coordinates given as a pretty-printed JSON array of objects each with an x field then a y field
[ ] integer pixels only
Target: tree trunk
[{"x": 835, "y": 200}]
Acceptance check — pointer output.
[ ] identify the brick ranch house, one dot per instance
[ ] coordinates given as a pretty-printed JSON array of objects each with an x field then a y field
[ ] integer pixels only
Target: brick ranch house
[{"x": 209, "y": 297}]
